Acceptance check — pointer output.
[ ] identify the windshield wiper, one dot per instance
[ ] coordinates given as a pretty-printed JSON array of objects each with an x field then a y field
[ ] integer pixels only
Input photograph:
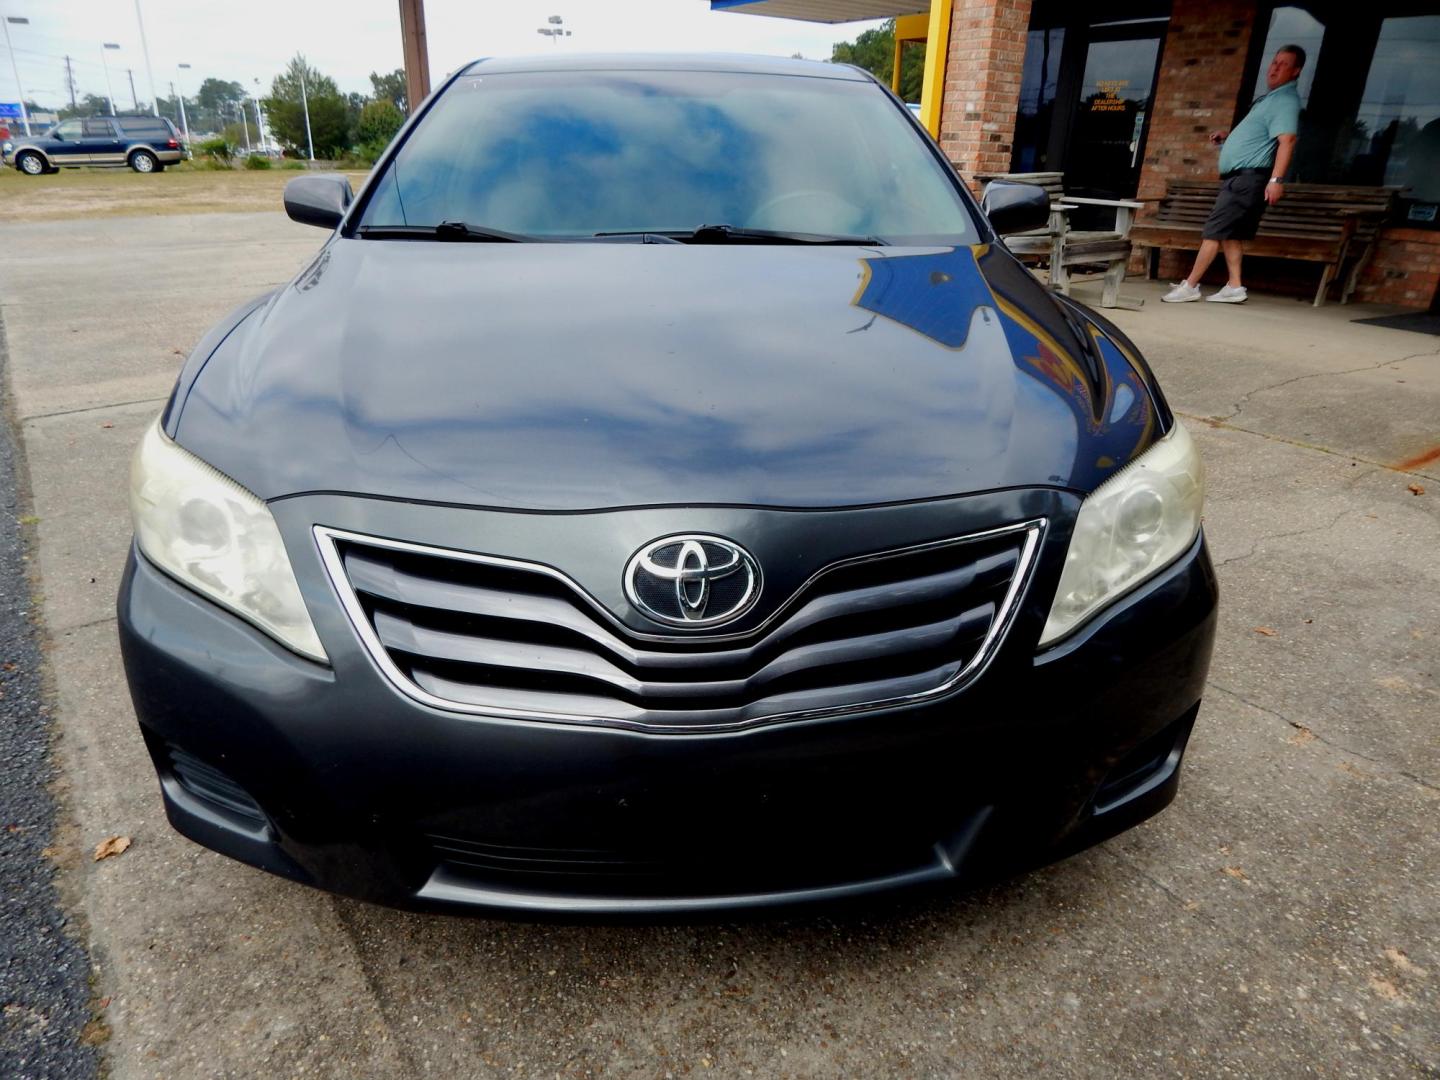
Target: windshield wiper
[
  {"x": 726, "y": 234},
  {"x": 446, "y": 230},
  {"x": 729, "y": 234}
]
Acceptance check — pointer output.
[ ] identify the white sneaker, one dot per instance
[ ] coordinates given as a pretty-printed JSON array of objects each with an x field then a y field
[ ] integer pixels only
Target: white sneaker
[
  {"x": 1182, "y": 293},
  {"x": 1230, "y": 294}
]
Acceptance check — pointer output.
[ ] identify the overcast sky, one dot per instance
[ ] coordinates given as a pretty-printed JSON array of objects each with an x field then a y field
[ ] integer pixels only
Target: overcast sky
[{"x": 347, "y": 39}]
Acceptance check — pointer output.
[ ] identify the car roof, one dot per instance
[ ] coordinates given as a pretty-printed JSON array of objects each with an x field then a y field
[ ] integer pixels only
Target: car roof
[{"x": 730, "y": 62}]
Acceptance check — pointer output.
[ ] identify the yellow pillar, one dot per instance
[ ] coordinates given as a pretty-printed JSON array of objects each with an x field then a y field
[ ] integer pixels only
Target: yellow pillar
[{"x": 937, "y": 48}]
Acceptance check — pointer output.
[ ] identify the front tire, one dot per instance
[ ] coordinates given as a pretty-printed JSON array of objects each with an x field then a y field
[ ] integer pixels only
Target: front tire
[
  {"x": 30, "y": 163},
  {"x": 142, "y": 161}
]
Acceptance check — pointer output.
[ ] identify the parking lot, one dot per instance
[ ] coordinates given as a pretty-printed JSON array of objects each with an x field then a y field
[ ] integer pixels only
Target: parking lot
[{"x": 1281, "y": 918}]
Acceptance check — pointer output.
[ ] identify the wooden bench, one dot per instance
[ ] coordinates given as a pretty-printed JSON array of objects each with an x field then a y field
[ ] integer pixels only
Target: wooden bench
[
  {"x": 1325, "y": 223},
  {"x": 1062, "y": 248}
]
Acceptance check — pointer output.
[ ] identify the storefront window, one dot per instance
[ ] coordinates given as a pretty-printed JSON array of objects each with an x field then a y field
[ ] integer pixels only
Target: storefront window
[
  {"x": 1292, "y": 26},
  {"x": 1371, "y": 88},
  {"x": 1397, "y": 127},
  {"x": 1038, "y": 86}
]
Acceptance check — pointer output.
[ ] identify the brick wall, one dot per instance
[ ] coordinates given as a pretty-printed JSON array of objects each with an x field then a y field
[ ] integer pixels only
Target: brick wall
[
  {"x": 982, "y": 83},
  {"x": 1200, "y": 81},
  {"x": 1405, "y": 269}
]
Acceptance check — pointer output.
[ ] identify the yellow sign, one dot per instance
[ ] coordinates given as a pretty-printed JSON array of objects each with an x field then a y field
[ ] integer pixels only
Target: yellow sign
[{"x": 1109, "y": 99}]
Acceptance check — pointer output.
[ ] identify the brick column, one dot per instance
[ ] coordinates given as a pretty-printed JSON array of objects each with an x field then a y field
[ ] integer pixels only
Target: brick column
[
  {"x": 1200, "y": 75},
  {"x": 982, "y": 83}
]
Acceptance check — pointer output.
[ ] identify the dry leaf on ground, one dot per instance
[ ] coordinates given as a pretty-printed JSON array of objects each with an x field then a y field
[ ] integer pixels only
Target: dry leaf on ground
[
  {"x": 1267, "y": 631},
  {"x": 1403, "y": 962},
  {"x": 1416, "y": 489},
  {"x": 1236, "y": 873},
  {"x": 113, "y": 845}
]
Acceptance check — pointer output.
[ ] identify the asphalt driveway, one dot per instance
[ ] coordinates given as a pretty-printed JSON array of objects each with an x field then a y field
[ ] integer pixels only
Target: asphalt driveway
[{"x": 1282, "y": 918}]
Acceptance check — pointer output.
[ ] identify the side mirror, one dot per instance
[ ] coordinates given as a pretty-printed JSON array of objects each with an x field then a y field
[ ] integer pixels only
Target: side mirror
[
  {"x": 1014, "y": 208},
  {"x": 318, "y": 200}
]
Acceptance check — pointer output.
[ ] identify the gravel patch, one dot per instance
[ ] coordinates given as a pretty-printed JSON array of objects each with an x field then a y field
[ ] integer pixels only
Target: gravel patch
[{"x": 44, "y": 972}]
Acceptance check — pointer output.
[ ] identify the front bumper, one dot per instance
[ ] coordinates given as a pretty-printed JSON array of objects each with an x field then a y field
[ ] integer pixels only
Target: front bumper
[{"x": 331, "y": 777}]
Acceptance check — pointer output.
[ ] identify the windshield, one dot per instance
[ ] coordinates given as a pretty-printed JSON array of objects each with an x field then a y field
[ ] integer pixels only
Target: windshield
[{"x": 574, "y": 154}]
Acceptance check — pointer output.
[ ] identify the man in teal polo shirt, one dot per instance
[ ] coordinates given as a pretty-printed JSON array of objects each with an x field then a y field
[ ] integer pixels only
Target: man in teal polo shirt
[{"x": 1253, "y": 163}]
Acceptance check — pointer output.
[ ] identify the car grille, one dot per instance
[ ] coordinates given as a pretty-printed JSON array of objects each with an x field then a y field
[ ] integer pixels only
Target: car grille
[
  {"x": 496, "y": 636},
  {"x": 702, "y": 869}
]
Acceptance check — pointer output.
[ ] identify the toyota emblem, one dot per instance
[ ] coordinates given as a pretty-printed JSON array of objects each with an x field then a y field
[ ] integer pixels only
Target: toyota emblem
[{"x": 692, "y": 581}]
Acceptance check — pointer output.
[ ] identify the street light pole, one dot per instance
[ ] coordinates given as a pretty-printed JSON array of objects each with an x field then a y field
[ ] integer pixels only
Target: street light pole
[
  {"x": 5, "y": 23},
  {"x": 555, "y": 31},
  {"x": 184, "y": 123},
  {"x": 109, "y": 86},
  {"x": 134, "y": 97},
  {"x": 240, "y": 105},
  {"x": 149, "y": 71},
  {"x": 305, "y": 102},
  {"x": 259, "y": 121}
]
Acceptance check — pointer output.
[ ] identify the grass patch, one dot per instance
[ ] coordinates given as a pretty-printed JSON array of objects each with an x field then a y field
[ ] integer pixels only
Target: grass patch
[{"x": 192, "y": 187}]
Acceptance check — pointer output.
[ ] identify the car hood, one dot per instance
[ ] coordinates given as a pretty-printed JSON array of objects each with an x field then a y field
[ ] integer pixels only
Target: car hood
[{"x": 581, "y": 376}]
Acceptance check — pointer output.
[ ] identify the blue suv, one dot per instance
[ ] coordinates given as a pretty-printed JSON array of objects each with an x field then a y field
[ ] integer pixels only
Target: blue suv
[{"x": 145, "y": 143}]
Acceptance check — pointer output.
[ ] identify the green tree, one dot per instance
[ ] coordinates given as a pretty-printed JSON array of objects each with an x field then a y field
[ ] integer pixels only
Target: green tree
[
  {"x": 88, "y": 105},
  {"x": 379, "y": 121},
  {"x": 391, "y": 88},
  {"x": 329, "y": 111},
  {"x": 874, "y": 50},
  {"x": 215, "y": 104}
]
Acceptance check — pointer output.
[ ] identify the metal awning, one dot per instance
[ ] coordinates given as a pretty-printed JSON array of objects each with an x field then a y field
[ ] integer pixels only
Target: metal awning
[{"x": 823, "y": 11}]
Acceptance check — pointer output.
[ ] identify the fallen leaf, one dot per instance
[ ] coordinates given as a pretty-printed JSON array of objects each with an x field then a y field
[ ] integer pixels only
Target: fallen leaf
[
  {"x": 114, "y": 845},
  {"x": 1403, "y": 962},
  {"x": 1236, "y": 873},
  {"x": 1385, "y": 988},
  {"x": 1265, "y": 630},
  {"x": 1415, "y": 489},
  {"x": 107, "y": 424},
  {"x": 1302, "y": 735},
  {"x": 104, "y": 1003}
]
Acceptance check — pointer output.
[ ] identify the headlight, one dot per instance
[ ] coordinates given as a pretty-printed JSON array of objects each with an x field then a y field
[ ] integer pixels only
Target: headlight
[
  {"x": 1130, "y": 527},
  {"x": 208, "y": 532}
]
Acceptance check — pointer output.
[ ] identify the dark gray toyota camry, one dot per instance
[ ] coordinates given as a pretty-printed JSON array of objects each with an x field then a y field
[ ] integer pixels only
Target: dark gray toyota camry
[{"x": 663, "y": 492}]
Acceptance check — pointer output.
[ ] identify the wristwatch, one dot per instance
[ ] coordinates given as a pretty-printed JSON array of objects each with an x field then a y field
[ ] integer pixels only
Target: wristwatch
[{"x": 1276, "y": 180}]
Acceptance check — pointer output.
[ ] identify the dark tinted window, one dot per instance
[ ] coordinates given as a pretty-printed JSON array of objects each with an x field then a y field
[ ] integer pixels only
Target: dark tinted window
[
  {"x": 140, "y": 126},
  {"x": 578, "y": 153},
  {"x": 98, "y": 129}
]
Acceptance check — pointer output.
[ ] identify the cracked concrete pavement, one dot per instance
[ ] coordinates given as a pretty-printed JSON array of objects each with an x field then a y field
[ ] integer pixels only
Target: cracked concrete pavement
[{"x": 1282, "y": 918}]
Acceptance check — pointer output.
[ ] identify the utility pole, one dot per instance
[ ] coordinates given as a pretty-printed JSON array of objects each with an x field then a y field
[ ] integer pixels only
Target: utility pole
[
  {"x": 109, "y": 86},
  {"x": 417, "y": 53},
  {"x": 5, "y": 25},
  {"x": 70, "y": 81},
  {"x": 149, "y": 71},
  {"x": 133, "y": 96},
  {"x": 305, "y": 102}
]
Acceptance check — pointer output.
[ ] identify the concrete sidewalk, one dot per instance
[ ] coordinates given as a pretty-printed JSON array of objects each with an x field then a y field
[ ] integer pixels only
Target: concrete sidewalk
[{"x": 1282, "y": 918}]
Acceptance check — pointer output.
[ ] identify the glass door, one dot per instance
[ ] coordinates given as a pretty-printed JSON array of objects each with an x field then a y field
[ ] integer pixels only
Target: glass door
[{"x": 1107, "y": 134}]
